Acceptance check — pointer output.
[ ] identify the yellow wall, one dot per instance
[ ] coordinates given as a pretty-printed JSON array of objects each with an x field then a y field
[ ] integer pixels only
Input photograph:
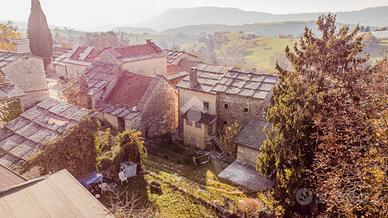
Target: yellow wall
[{"x": 193, "y": 132}]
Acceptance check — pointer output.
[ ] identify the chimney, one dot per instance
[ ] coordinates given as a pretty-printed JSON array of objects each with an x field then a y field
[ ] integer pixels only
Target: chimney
[
  {"x": 148, "y": 41},
  {"x": 193, "y": 78},
  {"x": 254, "y": 70},
  {"x": 22, "y": 45}
]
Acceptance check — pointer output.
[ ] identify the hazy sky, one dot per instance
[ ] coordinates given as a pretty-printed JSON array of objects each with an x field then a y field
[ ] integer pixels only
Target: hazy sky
[{"x": 95, "y": 13}]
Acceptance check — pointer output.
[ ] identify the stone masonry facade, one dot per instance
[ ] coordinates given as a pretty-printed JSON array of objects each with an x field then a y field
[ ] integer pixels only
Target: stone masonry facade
[{"x": 231, "y": 108}]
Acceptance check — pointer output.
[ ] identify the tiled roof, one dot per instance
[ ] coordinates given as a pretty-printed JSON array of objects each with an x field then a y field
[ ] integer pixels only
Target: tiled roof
[
  {"x": 23, "y": 136},
  {"x": 56, "y": 195},
  {"x": 252, "y": 135},
  {"x": 99, "y": 76},
  {"x": 84, "y": 53},
  {"x": 208, "y": 76},
  {"x": 222, "y": 79},
  {"x": 8, "y": 89},
  {"x": 9, "y": 178},
  {"x": 129, "y": 90},
  {"x": 173, "y": 69},
  {"x": 174, "y": 55},
  {"x": 132, "y": 51},
  {"x": 8, "y": 57}
]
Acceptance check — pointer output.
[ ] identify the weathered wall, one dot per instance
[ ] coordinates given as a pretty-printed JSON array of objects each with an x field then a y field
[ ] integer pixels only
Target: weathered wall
[
  {"x": 235, "y": 110},
  {"x": 28, "y": 74},
  {"x": 148, "y": 67},
  {"x": 194, "y": 136},
  {"x": 74, "y": 70},
  {"x": 160, "y": 113},
  {"x": 186, "y": 96},
  {"x": 60, "y": 70},
  {"x": 248, "y": 155},
  {"x": 185, "y": 102},
  {"x": 107, "y": 57}
]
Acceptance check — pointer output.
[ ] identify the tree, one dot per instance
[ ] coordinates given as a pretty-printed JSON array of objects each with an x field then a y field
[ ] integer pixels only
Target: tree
[
  {"x": 316, "y": 112},
  {"x": 41, "y": 41},
  {"x": 124, "y": 205},
  {"x": 8, "y": 32},
  {"x": 9, "y": 110},
  {"x": 113, "y": 150},
  {"x": 103, "y": 40},
  {"x": 74, "y": 151},
  {"x": 227, "y": 136}
]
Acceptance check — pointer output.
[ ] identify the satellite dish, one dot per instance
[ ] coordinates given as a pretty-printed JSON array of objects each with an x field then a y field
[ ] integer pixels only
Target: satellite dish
[{"x": 194, "y": 115}]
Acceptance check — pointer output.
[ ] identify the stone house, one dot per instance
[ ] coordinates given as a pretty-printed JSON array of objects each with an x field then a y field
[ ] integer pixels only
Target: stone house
[
  {"x": 74, "y": 63},
  {"x": 179, "y": 64},
  {"x": 249, "y": 140},
  {"x": 213, "y": 96},
  {"x": 22, "y": 137},
  {"x": 131, "y": 101},
  {"x": 27, "y": 72},
  {"x": 144, "y": 59}
]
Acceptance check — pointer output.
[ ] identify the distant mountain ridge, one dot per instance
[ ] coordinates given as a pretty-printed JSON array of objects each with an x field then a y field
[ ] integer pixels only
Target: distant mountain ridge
[{"x": 178, "y": 17}]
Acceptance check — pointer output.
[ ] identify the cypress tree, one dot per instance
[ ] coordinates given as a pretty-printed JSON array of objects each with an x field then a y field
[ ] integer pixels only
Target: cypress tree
[{"x": 41, "y": 41}]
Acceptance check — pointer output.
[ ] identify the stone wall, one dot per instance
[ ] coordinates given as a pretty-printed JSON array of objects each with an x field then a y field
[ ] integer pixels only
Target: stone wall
[
  {"x": 160, "y": 113},
  {"x": 247, "y": 155},
  {"x": 235, "y": 110}
]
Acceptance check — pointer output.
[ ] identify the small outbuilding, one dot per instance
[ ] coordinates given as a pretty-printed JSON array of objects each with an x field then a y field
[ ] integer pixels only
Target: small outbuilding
[{"x": 249, "y": 140}]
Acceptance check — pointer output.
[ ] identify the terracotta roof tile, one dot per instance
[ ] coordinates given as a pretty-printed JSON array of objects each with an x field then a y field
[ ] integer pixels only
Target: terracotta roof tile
[
  {"x": 149, "y": 48},
  {"x": 173, "y": 69},
  {"x": 129, "y": 90}
]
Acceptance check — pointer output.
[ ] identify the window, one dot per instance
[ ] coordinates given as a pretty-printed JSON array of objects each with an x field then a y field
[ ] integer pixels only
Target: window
[
  {"x": 225, "y": 122},
  {"x": 246, "y": 109},
  {"x": 206, "y": 105},
  {"x": 189, "y": 123},
  {"x": 226, "y": 106},
  {"x": 198, "y": 125}
]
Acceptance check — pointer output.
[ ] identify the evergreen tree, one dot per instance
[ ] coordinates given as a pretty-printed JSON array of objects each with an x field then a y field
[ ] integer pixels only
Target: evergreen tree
[
  {"x": 41, "y": 41},
  {"x": 324, "y": 68}
]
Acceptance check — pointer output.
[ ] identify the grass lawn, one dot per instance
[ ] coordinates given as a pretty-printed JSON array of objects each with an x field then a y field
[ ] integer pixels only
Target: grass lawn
[
  {"x": 264, "y": 54},
  {"x": 184, "y": 188}
]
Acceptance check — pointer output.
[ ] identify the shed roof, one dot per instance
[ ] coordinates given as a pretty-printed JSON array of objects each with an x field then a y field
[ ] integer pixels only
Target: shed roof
[
  {"x": 56, "y": 195},
  {"x": 252, "y": 135},
  {"x": 23, "y": 136}
]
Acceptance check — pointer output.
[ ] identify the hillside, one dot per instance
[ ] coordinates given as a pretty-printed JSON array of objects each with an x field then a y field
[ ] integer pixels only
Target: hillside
[
  {"x": 179, "y": 17},
  {"x": 262, "y": 29}
]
